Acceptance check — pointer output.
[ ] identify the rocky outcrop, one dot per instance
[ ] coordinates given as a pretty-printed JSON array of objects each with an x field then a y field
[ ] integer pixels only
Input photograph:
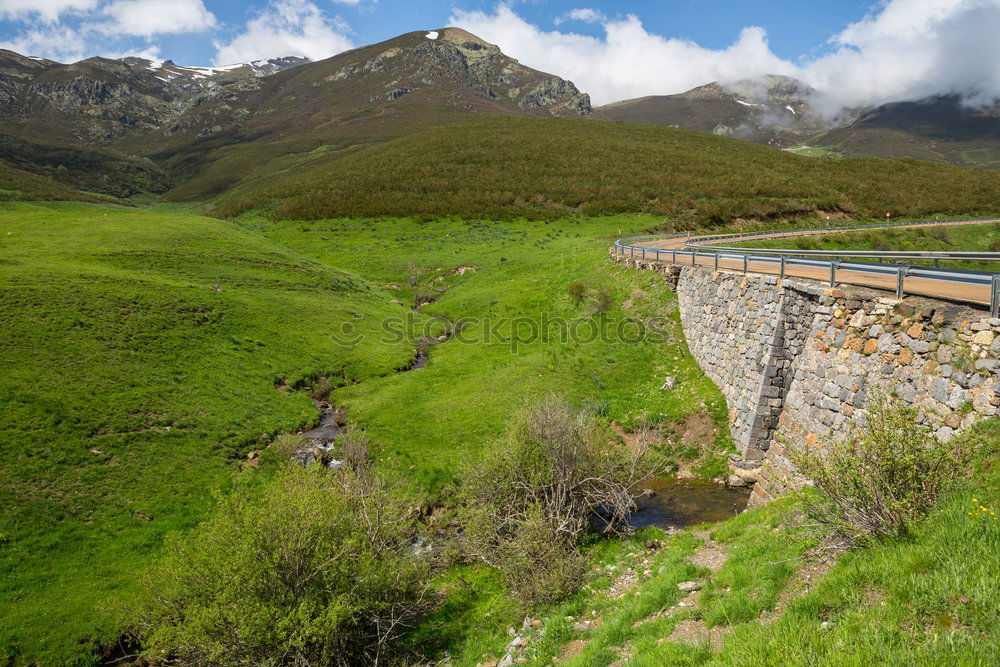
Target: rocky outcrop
[
  {"x": 460, "y": 58},
  {"x": 107, "y": 109},
  {"x": 101, "y": 100}
]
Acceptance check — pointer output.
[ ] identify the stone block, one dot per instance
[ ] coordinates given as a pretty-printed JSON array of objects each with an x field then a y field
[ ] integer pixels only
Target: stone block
[
  {"x": 916, "y": 331},
  {"x": 940, "y": 390},
  {"x": 986, "y": 364},
  {"x": 984, "y": 338}
]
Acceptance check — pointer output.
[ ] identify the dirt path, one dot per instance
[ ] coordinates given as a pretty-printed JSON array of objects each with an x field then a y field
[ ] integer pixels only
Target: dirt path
[{"x": 977, "y": 294}]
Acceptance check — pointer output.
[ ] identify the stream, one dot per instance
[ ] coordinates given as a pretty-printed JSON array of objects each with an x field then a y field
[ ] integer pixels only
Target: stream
[
  {"x": 668, "y": 502},
  {"x": 676, "y": 503},
  {"x": 321, "y": 437}
]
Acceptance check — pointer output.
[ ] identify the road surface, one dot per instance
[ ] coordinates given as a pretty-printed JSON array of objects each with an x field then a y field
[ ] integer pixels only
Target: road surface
[{"x": 942, "y": 289}]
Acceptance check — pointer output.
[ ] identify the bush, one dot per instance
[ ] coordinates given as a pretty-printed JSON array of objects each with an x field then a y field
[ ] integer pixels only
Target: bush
[
  {"x": 320, "y": 388},
  {"x": 602, "y": 298},
  {"x": 353, "y": 451},
  {"x": 539, "y": 565},
  {"x": 314, "y": 567},
  {"x": 882, "y": 478},
  {"x": 577, "y": 291},
  {"x": 534, "y": 496},
  {"x": 287, "y": 446}
]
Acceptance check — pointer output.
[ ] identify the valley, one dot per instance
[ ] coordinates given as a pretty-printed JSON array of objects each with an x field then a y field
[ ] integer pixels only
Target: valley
[
  {"x": 326, "y": 362},
  {"x": 192, "y": 349}
]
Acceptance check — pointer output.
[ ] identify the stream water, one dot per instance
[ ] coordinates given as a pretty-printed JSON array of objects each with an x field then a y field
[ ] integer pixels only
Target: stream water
[
  {"x": 321, "y": 437},
  {"x": 675, "y": 503}
]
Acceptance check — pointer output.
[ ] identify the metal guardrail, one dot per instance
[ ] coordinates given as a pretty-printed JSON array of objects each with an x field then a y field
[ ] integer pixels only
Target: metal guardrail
[{"x": 696, "y": 248}]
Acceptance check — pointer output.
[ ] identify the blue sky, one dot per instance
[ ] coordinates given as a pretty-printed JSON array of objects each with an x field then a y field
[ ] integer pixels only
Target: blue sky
[
  {"x": 796, "y": 29},
  {"x": 859, "y": 50}
]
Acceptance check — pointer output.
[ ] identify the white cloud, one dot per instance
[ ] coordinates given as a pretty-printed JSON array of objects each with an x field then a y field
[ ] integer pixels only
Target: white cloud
[
  {"x": 584, "y": 14},
  {"x": 628, "y": 61},
  {"x": 286, "y": 28},
  {"x": 60, "y": 43},
  {"x": 46, "y": 10},
  {"x": 155, "y": 17},
  {"x": 910, "y": 49},
  {"x": 902, "y": 50},
  {"x": 70, "y": 30}
]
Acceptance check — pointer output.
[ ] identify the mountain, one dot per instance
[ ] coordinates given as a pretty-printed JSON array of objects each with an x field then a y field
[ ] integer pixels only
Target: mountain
[
  {"x": 205, "y": 129},
  {"x": 100, "y": 100},
  {"x": 120, "y": 127},
  {"x": 321, "y": 111},
  {"x": 942, "y": 129},
  {"x": 774, "y": 110},
  {"x": 66, "y": 122}
]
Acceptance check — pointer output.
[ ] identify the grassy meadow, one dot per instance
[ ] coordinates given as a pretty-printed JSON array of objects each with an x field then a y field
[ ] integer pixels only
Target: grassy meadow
[
  {"x": 141, "y": 356},
  {"x": 517, "y": 275},
  {"x": 147, "y": 351}
]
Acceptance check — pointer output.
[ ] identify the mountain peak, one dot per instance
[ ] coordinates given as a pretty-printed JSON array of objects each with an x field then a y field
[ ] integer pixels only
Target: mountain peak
[{"x": 771, "y": 109}]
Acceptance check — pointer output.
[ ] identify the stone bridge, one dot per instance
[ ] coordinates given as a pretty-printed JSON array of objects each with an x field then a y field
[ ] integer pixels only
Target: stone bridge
[{"x": 799, "y": 362}]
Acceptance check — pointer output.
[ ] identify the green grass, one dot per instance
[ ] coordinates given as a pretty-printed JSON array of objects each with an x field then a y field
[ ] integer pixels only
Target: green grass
[
  {"x": 434, "y": 419},
  {"x": 970, "y": 238},
  {"x": 551, "y": 168},
  {"x": 138, "y": 362},
  {"x": 145, "y": 352},
  {"x": 927, "y": 599}
]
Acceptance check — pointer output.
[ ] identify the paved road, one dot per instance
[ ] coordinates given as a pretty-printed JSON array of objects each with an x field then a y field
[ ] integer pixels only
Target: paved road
[{"x": 954, "y": 291}]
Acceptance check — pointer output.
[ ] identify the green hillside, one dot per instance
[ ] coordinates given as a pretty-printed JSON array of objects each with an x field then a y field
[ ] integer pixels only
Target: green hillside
[
  {"x": 148, "y": 351},
  {"x": 19, "y": 185},
  {"x": 554, "y": 167},
  {"x": 139, "y": 360}
]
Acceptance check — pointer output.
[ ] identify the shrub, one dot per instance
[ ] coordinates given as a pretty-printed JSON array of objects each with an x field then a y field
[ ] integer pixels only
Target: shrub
[
  {"x": 534, "y": 496},
  {"x": 539, "y": 565},
  {"x": 287, "y": 446},
  {"x": 314, "y": 567},
  {"x": 321, "y": 387},
  {"x": 353, "y": 450},
  {"x": 577, "y": 291},
  {"x": 882, "y": 478},
  {"x": 602, "y": 298}
]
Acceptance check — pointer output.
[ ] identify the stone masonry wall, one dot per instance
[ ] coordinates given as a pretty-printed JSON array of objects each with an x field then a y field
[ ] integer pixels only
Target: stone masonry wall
[
  {"x": 800, "y": 363},
  {"x": 938, "y": 358},
  {"x": 746, "y": 332}
]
